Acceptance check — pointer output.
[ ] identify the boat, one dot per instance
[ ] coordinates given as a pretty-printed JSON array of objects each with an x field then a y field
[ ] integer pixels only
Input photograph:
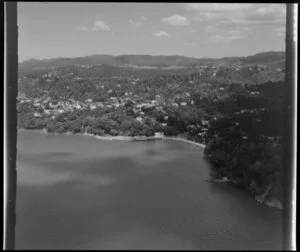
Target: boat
[{"x": 222, "y": 180}]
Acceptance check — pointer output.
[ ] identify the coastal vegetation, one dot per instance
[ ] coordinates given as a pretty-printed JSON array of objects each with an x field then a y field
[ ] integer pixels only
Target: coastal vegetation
[{"x": 238, "y": 117}]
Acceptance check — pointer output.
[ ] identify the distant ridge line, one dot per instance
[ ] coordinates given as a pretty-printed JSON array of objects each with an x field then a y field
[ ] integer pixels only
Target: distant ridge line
[{"x": 148, "y": 55}]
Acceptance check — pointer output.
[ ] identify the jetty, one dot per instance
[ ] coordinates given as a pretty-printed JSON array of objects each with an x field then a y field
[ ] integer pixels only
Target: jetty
[
  {"x": 157, "y": 136},
  {"x": 222, "y": 180}
]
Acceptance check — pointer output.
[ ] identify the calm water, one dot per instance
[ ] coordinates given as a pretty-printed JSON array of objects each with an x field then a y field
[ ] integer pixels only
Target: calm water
[{"x": 77, "y": 192}]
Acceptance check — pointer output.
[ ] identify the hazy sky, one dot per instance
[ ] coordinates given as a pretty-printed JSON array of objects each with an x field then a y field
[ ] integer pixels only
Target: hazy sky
[{"x": 49, "y": 30}]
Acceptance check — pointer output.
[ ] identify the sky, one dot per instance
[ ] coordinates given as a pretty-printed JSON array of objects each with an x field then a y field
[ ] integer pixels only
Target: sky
[{"x": 56, "y": 29}]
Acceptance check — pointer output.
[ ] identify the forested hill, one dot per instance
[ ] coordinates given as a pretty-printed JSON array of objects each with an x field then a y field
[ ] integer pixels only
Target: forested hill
[{"x": 266, "y": 58}]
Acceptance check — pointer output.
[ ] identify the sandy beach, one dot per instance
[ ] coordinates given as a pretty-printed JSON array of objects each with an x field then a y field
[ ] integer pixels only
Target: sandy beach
[{"x": 120, "y": 138}]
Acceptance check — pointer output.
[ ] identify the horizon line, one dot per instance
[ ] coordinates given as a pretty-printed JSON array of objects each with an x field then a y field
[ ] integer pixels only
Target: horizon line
[{"x": 152, "y": 55}]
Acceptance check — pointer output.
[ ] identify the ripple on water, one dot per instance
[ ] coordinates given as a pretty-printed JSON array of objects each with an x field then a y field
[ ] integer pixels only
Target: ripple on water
[{"x": 84, "y": 193}]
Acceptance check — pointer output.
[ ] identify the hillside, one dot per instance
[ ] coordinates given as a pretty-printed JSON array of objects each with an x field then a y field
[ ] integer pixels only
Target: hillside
[{"x": 148, "y": 60}]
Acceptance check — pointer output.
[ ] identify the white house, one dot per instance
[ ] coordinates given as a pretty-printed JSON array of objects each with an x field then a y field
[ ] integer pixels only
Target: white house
[{"x": 36, "y": 114}]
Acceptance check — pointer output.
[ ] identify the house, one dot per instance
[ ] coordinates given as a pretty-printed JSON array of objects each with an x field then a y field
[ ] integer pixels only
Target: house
[
  {"x": 36, "y": 114},
  {"x": 141, "y": 105},
  {"x": 164, "y": 124},
  {"x": 221, "y": 88},
  {"x": 175, "y": 105},
  {"x": 183, "y": 104},
  {"x": 140, "y": 119},
  {"x": 92, "y": 107},
  {"x": 204, "y": 122}
]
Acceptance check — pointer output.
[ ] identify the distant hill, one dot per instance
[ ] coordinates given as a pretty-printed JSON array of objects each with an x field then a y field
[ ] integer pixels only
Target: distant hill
[{"x": 148, "y": 60}]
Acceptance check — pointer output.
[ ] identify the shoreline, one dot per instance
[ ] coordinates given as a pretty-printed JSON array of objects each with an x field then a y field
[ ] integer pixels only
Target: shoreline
[
  {"x": 112, "y": 138},
  {"x": 273, "y": 203}
]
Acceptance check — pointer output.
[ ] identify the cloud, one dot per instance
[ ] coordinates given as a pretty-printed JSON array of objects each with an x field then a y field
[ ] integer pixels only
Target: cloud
[
  {"x": 161, "y": 34},
  {"x": 98, "y": 25},
  {"x": 219, "y": 32},
  {"x": 238, "y": 14},
  {"x": 191, "y": 30},
  {"x": 225, "y": 38},
  {"x": 176, "y": 20},
  {"x": 143, "y": 18},
  {"x": 135, "y": 24},
  {"x": 190, "y": 43}
]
